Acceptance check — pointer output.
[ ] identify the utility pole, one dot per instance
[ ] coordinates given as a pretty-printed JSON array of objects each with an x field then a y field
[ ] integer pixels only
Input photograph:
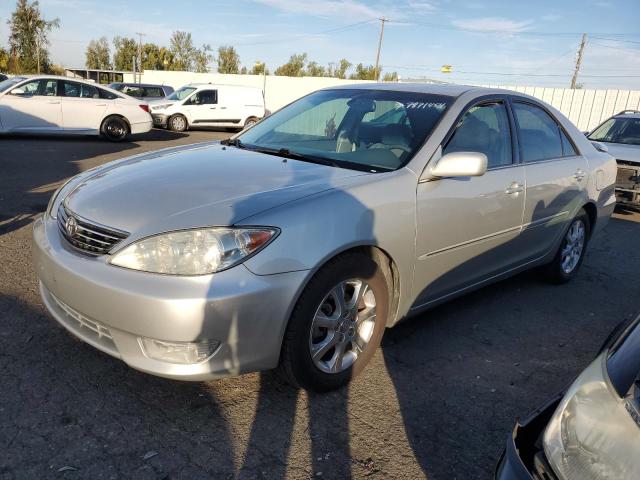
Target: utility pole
[
  {"x": 38, "y": 51},
  {"x": 382, "y": 22},
  {"x": 139, "y": 57},
  {"x": 574, "y": 79}
]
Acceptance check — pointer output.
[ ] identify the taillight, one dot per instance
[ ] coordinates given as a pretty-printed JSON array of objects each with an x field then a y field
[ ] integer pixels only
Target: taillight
[{"x": 145, "y": 107}]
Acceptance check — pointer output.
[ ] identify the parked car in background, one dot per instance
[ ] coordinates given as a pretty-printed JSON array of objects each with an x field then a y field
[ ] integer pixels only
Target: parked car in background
[
  {"x": 3, "y": 77},
  {"x": 589, "y": 431},
  {"x": 298, "y": 241},
  {"x": 208, "y": 105},
  {"x": 60, "y": 105},
  {"x": 143, "y": 91},
  {"x": 621, "y": 135}
]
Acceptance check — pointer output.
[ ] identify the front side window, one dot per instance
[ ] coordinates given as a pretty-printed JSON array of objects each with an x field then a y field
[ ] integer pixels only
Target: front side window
[
  {"x": 377, "y": 130},
  {"x": 10, "y": 82},
  {"x": 618, "y": 130},
  {"x": 43, "y": 88},
  {"x": 203, "y": 97},
  {"x": 539, "y": 133},
  {"x": 484, "y": 129}
]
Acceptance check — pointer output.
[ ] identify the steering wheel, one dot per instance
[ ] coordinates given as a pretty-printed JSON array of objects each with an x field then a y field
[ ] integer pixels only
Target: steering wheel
[{"x": 396, "y": 149}]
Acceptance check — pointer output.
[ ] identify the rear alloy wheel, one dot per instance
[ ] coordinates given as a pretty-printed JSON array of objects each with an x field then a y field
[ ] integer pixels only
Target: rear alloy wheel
[
  {"x": 178, "y": 123},
  {"x": 336, "y": 325},
  {"x": 571, "y": 252},
  {"x": 115, "y": 129}
]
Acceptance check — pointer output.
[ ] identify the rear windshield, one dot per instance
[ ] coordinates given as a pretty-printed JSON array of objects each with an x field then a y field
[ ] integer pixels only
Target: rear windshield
[
  {"x": 618, "y": 130},
  {"x": 372, "y": 130}
]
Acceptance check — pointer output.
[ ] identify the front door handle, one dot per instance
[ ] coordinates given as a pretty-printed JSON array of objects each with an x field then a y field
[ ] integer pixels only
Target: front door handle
[
  {"x": 579, "y": 175},
  {"x": 212, "y": 108},
  {"x": 54, "y": 102},
  {"x": 514, "y": 188},
  {"x": 101, "y": 104},
  {"x": 223, "y": 108}
]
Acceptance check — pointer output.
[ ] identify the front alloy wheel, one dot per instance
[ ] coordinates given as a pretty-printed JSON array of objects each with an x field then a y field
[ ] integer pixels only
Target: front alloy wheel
[
  {"x": 342, "y": 326},
  {"x": 337, "y": 323}
]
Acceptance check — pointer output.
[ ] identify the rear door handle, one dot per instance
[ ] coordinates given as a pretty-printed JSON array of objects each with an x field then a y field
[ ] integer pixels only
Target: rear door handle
[
  {"x": 579, "y": 175},
  {"x": 223, "y": 108},
  {"x": 515, "y": 187},
  {"x": 212, "y": 108},
  {"x": 101, "y": 104},
  {"x": 54, "y": 102}
]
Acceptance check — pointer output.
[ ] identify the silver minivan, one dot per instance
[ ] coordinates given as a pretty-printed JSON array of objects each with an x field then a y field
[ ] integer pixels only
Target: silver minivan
[{"x": 297, "y": 242}]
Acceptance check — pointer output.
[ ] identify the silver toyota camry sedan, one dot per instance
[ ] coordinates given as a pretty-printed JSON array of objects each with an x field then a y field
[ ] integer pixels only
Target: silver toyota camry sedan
[{"x": 297, "y": 242}]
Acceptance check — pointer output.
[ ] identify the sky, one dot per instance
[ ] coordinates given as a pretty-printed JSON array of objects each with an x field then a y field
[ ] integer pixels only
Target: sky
[{"x": 491, "y": 42}]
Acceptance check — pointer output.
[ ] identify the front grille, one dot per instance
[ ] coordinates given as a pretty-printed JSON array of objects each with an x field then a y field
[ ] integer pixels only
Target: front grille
[{"x": 87, "y": 236}]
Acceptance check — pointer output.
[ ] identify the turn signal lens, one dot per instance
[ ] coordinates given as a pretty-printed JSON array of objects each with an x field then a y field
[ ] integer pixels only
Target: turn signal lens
[{"x": 184, "y": 353}]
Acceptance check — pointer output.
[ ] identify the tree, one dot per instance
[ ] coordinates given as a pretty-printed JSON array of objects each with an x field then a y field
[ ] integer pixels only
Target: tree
[
  {"x": 182, "y": 49},
  {"x": 294, "y": 67},
  {"x": 390, "y": 77},
  {"x": 202, "y": 58},
  {"x": 98, "y": 54},
  {"x": 363, "y": 72},
  {"x": 155, "y": 57},
  {"x": 4, "y": 60},
  {"x": 314, "y": 69},
  {"x": 259, "y": 68},
  {"x": 228, "y": 60},
  {"x": 28, "y": 37},
  {"x": 343, "y": 66},
  {"x": 126, "y": 50}
]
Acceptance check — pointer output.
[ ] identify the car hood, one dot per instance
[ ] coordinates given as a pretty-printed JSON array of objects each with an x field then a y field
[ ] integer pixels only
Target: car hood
[
  {"x": 629, "y": 153},
  {"x": 195, "y": 186}
]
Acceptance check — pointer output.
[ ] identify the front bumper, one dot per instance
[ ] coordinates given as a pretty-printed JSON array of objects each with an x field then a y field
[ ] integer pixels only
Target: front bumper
[
  {"x": 111, "y": 308},
  {"x": 628, "y": 184},
  {"x": 523, "y": 458},
  {"x": 159, "y": 119}
]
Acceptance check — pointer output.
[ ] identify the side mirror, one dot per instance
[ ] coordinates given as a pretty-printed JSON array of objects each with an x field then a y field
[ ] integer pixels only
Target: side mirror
[
  {"x": 18, "y": 91},
  {"x": 600, "y": 147},
  {"x": 459, "y": 164}
]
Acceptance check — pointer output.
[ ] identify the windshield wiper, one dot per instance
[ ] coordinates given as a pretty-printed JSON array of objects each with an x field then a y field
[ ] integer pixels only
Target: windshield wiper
[
  {"x": 233, "y": 142},
  {"x": 286, "y": 153}
]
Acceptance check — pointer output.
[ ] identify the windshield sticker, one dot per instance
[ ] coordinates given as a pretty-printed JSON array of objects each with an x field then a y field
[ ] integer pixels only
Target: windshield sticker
[{"x": 424, "y": 105}]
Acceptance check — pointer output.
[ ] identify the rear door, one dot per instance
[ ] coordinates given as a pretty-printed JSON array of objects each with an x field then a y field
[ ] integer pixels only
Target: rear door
[
  {"x": 556, "y": 176},
  {"x": 468, "y": 228},
  {"x": 82, "y": 107},
  {"x": 201, "y": 108},
  {"x": 38, "y": 109}
]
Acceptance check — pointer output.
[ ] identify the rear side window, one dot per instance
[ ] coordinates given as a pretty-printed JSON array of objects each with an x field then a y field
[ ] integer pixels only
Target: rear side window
[
  {"x": 568, "y": 150},
  {"x": 539, "y": 133},
  {"x": 152, "y": 92},
  {"x": 104, "y": 94},
  {"x": 485, "y": 129}
]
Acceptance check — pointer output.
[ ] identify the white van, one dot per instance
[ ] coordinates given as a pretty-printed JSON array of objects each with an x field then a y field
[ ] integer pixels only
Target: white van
[{"x": 209, "y": 105}]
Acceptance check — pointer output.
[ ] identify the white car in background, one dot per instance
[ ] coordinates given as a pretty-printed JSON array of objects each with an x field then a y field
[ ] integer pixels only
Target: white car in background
[
  {"x": 60, "y": 105},
  {"x": 209, "y": 105}
]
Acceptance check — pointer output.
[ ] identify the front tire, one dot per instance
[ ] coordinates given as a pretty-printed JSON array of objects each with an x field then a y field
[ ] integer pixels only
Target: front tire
[
  {"x": 178, "y": 123},
  {"x": 571, "y": 252},
  {"x": 115, "y": 129},
  {"x": 336, "y": 325}
]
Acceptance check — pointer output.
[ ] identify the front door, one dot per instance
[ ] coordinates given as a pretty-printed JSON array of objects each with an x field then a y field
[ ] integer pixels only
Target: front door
[
  {"x": 36, "y": 108},
  {"x": 468, "y": 228},
  {"x": 556, "y": 177},
  {"x": 202, "y": 108}
]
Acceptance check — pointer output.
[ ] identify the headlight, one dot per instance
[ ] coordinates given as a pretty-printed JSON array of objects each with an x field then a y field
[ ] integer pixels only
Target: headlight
[
  {"x": 160, "y": 107},
  {"x": 194, "y": 252},
  {"x": 591, "y": 434}
]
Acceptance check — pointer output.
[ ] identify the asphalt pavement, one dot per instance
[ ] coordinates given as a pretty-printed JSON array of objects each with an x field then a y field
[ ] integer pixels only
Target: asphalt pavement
[{"x": 437, "y": 401}]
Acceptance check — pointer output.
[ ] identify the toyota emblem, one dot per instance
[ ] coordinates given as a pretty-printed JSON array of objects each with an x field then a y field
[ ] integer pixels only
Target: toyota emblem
[{"x": 71, "y": 225}]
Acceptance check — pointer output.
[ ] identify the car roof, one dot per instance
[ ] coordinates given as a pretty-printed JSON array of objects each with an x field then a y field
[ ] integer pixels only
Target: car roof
[
  {"x": 627, "y": 114},
  {"x": 134, "y": 84},
  {"x": 449, "y": 89},
  {"x": 217, "y": 85}
]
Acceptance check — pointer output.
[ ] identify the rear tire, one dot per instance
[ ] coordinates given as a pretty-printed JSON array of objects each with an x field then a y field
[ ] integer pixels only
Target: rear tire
[
  {"x": 250, "y": 122},
  {"x": 115, "y": 129},
  {"x": 570, "y": 254},
  {"x": 329, "y": 341},
  {"x": 178, "y": 123}
]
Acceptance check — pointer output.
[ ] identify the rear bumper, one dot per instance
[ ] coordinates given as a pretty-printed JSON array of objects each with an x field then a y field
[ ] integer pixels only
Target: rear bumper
[
  {"x": 523, "y": 456},
  {"x": 141, "y": 127}
]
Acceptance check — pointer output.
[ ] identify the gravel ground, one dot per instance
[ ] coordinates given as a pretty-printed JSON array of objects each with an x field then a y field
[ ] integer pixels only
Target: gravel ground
[{"x": 437, "y": 401}]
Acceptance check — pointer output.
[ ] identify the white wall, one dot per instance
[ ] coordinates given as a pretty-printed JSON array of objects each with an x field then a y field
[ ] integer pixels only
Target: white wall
[{"x": 586, "y": 108}]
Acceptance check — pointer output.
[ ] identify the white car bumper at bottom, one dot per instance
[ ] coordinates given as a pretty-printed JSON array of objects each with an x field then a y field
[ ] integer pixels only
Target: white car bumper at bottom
[
  {"x": 234, "y": 318},
  {"x": 141, "y": 127}
]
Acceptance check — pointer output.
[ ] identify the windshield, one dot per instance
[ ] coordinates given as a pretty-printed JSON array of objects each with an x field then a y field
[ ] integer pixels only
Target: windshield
[
  {"x": 181, "y": 93},
  {"x": 373, "y": 130},
  {"x": 618, "y": 130},
  {"x": 10, "y": 82}
]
